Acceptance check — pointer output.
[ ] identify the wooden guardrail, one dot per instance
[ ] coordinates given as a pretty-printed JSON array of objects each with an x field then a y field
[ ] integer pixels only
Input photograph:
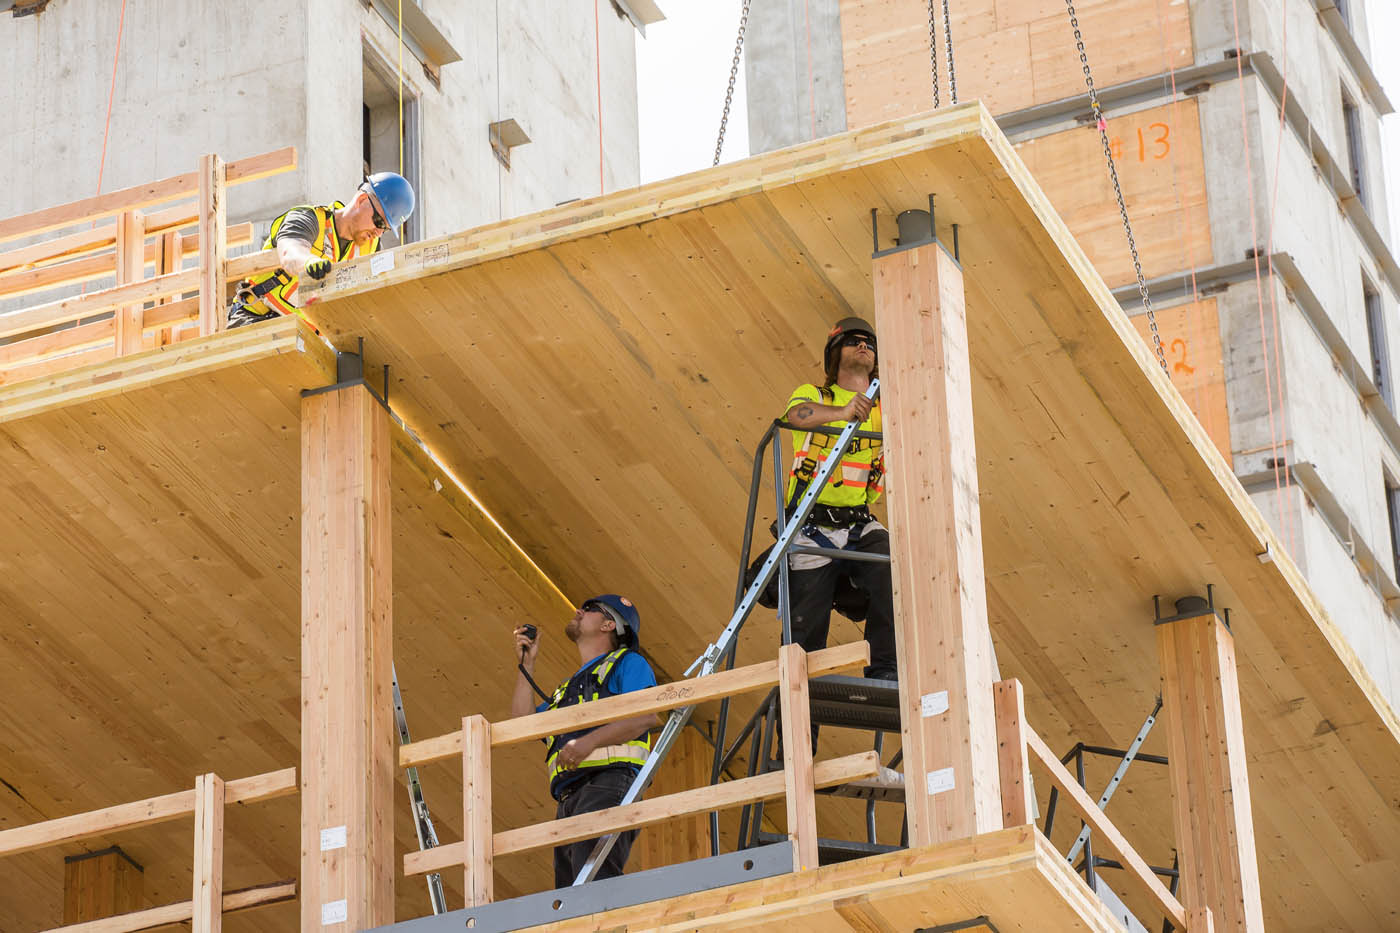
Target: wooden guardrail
[
  {"x": 137, "y": 312},
  {"x": 798, "y": 781},
  {"x": 1017, "y": 745},
  {"x": 206, "y": 801}
]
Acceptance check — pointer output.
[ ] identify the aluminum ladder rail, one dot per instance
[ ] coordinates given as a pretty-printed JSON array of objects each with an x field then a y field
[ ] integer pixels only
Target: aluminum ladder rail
[
  {"x": 709, "y": 660},
  {"x": 422, "y": 822}
]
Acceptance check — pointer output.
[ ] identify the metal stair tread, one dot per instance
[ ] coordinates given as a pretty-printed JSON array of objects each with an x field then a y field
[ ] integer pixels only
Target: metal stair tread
[{"x": 830, "y": 851}]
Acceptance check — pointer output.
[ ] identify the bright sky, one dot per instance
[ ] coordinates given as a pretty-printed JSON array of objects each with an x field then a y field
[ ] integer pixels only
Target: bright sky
[{"x": 683, "y": 69}]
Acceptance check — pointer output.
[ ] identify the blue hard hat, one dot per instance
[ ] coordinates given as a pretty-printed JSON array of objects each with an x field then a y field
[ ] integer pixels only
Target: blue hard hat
[
  {"x": 623, "y": 614},
  {"x": 394, "y": 194}
]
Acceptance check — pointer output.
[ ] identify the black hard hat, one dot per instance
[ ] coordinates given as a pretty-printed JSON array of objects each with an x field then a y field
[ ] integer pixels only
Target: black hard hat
[
  {"x": 624, "y": 616},
  {"x": 844, "y": 327}
]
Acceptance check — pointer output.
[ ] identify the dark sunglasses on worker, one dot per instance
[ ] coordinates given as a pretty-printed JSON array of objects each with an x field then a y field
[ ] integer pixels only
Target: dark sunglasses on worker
[
  {"x": 856, "y": 340},
  {"x": 377, "y": 218}
]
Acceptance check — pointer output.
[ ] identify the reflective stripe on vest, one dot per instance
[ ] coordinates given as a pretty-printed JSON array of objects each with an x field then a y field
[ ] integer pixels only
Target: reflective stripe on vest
[
  {"x": 858, "y": 481},
  {"x": 592, "y": 684},
  {"x": 277, "y": 287}
]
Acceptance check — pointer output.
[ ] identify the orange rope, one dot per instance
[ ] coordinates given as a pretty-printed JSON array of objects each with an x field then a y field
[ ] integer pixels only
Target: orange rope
[
  {"x": 811, "y": 81},
  {"x": 1258, "y": 274},
  {"x": 1203, "y": 408},
  {"x": 598, "y": 63},
  {"x": 1289, "y": 517},
  {"x": 111, "y": 95}
]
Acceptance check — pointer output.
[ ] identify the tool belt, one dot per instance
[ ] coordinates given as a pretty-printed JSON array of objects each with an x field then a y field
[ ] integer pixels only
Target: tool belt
[{"x": 839, "y": 516}]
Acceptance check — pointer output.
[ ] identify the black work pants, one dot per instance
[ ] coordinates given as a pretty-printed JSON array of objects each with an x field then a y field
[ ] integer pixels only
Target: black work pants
[
  {"x": 603, "y": 790},
  {"x": 813, "y": 590}
]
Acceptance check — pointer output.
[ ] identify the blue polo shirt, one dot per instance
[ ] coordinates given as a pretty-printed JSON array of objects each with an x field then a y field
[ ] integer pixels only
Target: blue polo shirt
[{"x": 631, "y": 672}]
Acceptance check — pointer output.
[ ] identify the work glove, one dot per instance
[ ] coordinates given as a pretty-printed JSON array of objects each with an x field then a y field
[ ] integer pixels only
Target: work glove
[{"x": 318, "y": 268}]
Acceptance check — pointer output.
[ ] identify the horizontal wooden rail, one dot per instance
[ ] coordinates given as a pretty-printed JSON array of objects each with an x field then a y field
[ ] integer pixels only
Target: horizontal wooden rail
[
  {"x": 142, "y": 196},
  {"x": 85, "y": 269},
  {"x": 109, "y": 299},
  {"x": 651, "y": 700},
  {"x": 646, "y": 812},
  {"x": 140, "y": 813},
  {"x": 72, "y": 245},
  {"x": 241, "y": 267},
  {"x": 180, "y": 913},
  {"x": 1105, "y": 833}
]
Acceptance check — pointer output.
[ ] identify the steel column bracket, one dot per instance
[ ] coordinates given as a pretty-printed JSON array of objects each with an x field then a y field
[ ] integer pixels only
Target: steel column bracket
[
  {"x": 1191, "y": 607},
  {"x": 912, "y": 233},
  {"x": 350, "y": 371}
]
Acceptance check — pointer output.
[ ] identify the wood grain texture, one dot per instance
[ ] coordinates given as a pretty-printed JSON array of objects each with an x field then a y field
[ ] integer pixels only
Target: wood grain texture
[
  {"x": 796, "y": 710},
  {"x": 101, "y": 884},
  {"x": 1017, "y": 799},
  {"x": 683, "y": 838},
  {"x": 596, "y": 376},
  {"x": 935, "y": 523},
  {"x": 208, "y": 895},
  {"x": 348, "y": 736},
  {"x": 1210, "y": 781},
  {"x": 476, "y": 811},
  {"x": 213, "y": 235}
]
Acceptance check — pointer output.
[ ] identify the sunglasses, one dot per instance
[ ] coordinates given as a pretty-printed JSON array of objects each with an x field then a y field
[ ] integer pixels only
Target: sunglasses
[
  {"x": 377, "y": 218},
  {"x": 859, "y": 340}
]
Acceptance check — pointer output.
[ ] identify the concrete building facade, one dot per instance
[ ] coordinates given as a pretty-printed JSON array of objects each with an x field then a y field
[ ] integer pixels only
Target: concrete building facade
[
  {"x": 1247, "y": 139},
  {"x": 323, "y": 76}
]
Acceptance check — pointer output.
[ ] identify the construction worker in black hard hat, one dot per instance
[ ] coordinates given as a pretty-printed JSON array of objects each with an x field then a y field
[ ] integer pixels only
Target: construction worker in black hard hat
[
  {"x": 841, "y": 518},
  {"x": 591, "y": 769}
]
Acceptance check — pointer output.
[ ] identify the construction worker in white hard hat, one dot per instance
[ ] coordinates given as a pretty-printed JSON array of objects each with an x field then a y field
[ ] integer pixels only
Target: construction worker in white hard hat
[
  {"x": 591, "y": 769},
  {"x": 310, "y": 238},
  {"x": 841, "y": 518}
]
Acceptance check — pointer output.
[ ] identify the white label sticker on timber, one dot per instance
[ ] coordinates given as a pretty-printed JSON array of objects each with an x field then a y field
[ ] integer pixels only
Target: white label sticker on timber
[
  {"x": 940, "y": 780},
  {"x": 334, "y": 912},
  {"x": 934, "y": 704},
  {"x": 379, "y": 263},
  {"x": 333, "y": 838}
]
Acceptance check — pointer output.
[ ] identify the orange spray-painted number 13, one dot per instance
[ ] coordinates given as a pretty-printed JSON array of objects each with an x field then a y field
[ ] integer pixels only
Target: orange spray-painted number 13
[{"x": 1157, "y": 141}]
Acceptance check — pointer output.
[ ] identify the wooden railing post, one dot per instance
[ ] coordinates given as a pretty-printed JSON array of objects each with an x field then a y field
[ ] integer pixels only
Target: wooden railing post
[
  {"x": 1010, "y": 704},
  {"x": 208, "y": 854},
  {"x": 131, "y": 267},
  {"x": 169, "y": 258},
  {"x": 797, "y": 756},
  {"x": 1200, "y": 921},
  {"x": 213, "y": 244},
  {"x": 476, "y": 810}
]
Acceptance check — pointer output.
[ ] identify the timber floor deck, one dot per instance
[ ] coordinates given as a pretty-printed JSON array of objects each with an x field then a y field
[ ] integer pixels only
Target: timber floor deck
[{"x": 598, "y": 375}]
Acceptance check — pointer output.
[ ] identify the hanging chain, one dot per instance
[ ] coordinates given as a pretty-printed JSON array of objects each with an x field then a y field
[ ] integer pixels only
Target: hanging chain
[
  {"x": 733, "y": 76},
  {"x": 948, "y": 32},
  {"x": 1102, "y": 125},
  {"x": 933, "y": 51}
]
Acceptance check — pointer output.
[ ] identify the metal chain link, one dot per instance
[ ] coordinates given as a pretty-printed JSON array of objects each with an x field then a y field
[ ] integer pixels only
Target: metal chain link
[
  {"x": 933, "y": 51},
  {"x": 1102, "y": 125},
  {"x": 733, "y": 76},
  {"x": 952, "y": 76}
]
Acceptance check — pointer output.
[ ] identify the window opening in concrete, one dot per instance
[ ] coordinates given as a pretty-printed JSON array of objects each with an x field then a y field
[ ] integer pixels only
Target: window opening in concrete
[
  {"x": 380, "y": 137},
  {"x": 1392, "y": 509},
  {"x": 1375, "y": 333},
  {"x": 1351, "y": 117}
]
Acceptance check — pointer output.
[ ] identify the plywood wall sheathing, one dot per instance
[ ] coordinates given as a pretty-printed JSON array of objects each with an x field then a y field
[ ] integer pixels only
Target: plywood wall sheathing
[
  {"x": 1011, "y": 54},
  {"x": 1160, "y": 166},
  {"x": 1190, "y": 336}
]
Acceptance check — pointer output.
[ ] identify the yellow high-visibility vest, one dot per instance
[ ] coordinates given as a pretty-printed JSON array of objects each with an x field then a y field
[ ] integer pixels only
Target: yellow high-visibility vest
[{"x": 272, "y": 291}]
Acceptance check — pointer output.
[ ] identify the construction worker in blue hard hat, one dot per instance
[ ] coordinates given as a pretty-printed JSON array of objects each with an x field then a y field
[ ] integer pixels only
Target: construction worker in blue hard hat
[
  {"x": 591, "y": 769},
  {"x": 310, "y": 238}
]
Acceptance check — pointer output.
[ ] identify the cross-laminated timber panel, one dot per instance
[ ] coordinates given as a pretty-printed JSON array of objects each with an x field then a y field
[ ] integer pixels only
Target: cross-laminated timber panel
[
  {"x": 599, "y": 373},
  {"x": 149, "y": 582}
]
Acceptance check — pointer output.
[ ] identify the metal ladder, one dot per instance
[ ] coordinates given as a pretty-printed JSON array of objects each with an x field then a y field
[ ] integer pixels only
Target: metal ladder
[{"x": 722, "y": 649}]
